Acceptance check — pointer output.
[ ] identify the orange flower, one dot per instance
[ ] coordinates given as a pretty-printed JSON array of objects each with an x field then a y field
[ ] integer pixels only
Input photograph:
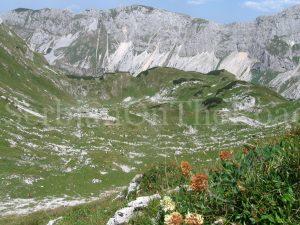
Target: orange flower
[
  {"x": 225, "y": 155},
  {"x": 174, "y": 219},
  {"x": 199, "y": 182},
  {"x": 185, "y": 168},
  {"x": 194, "y": 219},
  {"x": 245, "y": 151}
]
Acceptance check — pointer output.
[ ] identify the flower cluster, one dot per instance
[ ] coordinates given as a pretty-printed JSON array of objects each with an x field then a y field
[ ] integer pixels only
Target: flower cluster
[
  {"x": 194, "y": 219},
  {"x": 226, "y": 155},
  {"x": 186, "y": 168},
  {"x": 167, "y": 204},
  {"x": 199, "y": 182},
  {"x": 175, "y": 218}
]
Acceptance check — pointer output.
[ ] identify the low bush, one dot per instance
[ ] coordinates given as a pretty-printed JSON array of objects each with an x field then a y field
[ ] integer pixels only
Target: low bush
[{"x": 212, "y": 102}]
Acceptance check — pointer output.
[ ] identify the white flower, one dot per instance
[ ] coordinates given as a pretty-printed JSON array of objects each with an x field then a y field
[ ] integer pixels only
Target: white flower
[
  {"x": 220, "y": 221},
  {"x": 194, "y": 219},
  {"x": 167, "y": 204}
]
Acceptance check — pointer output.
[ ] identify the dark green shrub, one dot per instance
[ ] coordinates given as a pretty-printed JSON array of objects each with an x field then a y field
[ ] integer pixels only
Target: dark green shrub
[{"x": 212, "y": 102}]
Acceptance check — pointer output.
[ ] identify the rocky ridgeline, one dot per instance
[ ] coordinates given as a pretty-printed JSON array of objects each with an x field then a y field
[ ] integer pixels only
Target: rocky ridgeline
[{"x": 137, "y": 38}]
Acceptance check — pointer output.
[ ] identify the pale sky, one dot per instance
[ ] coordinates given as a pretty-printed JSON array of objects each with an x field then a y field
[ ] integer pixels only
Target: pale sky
[{"x": 222, "y": 11}]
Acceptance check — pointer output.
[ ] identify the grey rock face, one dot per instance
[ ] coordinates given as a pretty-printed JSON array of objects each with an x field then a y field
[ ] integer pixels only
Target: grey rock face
[
  {"x": 137, "y": 38},
  {"x": 134, "y": 184}
]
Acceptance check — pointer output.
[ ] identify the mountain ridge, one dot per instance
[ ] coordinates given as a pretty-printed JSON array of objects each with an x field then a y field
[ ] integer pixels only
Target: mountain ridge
[{"x": 136, "y": 38}]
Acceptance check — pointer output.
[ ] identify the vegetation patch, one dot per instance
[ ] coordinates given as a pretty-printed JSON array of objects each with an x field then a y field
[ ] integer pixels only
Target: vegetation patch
[
  {"x": 278, "y": 47},
  {"x": 212, "y": 102},
  {"x": 296, "y": 59},
  {"x": 153, "y": 181},
  {"x": 199, "y": 21},
  {"x": 146, "y": 72},
  {"x": 231, "y": 85},
  {"x": 256, "y": 185},
  {"x": 183, "y": 80},
  {"x": 19, "y": 10},
  {"x": 198, "y": 93},
  {"x": 221, "y": 73},
  {"x": 296, "y": 47},
  {"x": 263, "y": 77},
  {"x": 84, "y": 77}
]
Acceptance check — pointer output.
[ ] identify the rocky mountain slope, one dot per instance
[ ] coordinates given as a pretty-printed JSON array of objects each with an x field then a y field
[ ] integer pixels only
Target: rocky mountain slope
[
  {"x": 27, "y": 81},
  {"x": 136, "y": 38},
  {"x": 66, "y": 140}
]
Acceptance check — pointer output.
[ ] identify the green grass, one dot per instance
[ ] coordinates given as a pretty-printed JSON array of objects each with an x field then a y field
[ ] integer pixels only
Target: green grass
[
  {"x": 22, "y": 75},
  {"x": 261, "y": 187},
  {"x": 136, "y": 135}
]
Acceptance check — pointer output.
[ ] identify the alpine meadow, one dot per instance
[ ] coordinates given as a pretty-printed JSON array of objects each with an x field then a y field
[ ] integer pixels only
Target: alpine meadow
[{"x": 141, "y": 116}]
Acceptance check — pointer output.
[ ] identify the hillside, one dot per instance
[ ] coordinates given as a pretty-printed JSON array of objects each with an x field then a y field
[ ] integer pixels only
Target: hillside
[
  {"x": 26, "y": 78},
  {"x": 66, "y": 140},
  {"x": 257, "y": 185},
  {"x": 253, "y": 185},
  {"x": 136, "y": 38}
]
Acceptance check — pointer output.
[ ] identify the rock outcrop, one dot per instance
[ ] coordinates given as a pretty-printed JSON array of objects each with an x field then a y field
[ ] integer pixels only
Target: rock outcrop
[
  {"x": 134, "y": 184},
  {"x": 124, "y": 215}
]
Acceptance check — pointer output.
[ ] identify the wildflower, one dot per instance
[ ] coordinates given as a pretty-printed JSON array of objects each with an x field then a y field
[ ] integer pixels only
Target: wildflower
[
  {"x": 225, "y": 155},
  {"x": 194, "y": 219},
  {"x": 168, "y": 205},
  {"x": 185, "y": 168},
  {"x": 199, "y": 182},
  {"x": 219, "y": 221},
  {"x": 174, "y": 218},
  {"x": 245, "y": 151},
  {"x": 262, "y": 210}
]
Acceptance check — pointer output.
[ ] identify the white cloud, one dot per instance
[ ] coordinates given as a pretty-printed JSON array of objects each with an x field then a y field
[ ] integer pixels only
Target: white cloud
[{"x": 270, "y": 5}]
